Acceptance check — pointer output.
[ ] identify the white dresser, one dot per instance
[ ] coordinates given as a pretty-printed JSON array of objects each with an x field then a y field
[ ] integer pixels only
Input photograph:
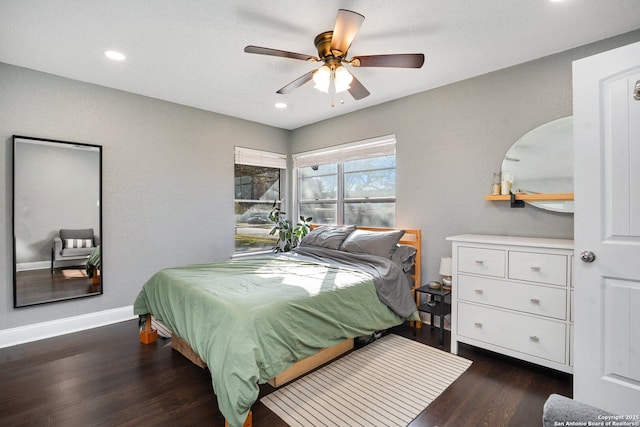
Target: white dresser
[{"x": 513, "y": 295}]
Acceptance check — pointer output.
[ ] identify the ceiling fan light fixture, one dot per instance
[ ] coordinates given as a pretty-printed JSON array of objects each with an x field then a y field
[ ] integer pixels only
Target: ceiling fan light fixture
[
  {"x": 332, "y": 47},
  {"x": 342, "y": 79},
  {"x": 322, "y": 79}
]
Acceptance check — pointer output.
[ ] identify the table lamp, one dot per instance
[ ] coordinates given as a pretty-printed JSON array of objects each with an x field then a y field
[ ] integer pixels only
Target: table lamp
[{"x": 445, "y": 271}]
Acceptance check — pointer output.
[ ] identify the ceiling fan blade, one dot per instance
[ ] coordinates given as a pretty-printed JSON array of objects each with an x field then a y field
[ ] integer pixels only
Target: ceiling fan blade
[
  {"x": 296, "y": 83},
  {"x": 400, "y": 60},
  {"x": 347, "y": 25},
  {"x": 357, "y": 89},
  {"x": 281, "y": 53}
]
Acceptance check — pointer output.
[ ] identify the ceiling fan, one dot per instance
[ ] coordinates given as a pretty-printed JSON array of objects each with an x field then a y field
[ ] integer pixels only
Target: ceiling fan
[{"x": 332, "y": 49}]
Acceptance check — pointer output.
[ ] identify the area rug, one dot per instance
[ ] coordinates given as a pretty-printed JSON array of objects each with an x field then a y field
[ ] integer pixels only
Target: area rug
[
  {"x": 74, "y": 274},
  {"x": 386, "y": 383}
]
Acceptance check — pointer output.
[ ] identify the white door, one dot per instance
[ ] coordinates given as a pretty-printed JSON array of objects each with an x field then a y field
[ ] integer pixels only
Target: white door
[{"x": 607, "y": 223}]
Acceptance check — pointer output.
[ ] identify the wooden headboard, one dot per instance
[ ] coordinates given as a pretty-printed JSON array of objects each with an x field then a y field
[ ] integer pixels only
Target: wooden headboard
[{"x": 412, "y": 238}]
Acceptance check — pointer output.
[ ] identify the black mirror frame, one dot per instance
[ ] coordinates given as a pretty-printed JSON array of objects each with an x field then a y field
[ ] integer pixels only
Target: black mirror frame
[{"x": 13, "y": 219}]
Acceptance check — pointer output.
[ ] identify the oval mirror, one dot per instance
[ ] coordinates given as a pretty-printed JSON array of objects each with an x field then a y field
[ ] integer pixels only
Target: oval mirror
[
  {"x": 541, "y": 161},
  {"x": 56, "y": 220}
]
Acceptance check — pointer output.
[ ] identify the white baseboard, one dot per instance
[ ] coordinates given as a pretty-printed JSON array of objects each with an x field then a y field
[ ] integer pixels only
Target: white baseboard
[
  {"x": 35, "y": 265},
  {"x": 38, "y": 331}
]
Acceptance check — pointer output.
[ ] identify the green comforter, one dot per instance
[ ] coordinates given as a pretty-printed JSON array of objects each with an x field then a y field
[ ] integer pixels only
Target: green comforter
[{"x": 251, "y": 318}]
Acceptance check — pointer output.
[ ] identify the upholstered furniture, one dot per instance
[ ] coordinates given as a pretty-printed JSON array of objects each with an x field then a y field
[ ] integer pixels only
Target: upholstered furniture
[
  {"x": 559, "y": 410},
  {"x": 73, "y": 245}
]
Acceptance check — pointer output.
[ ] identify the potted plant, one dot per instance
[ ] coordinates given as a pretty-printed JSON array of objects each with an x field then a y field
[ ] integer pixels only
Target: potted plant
[{"x": 288, "y": 236}]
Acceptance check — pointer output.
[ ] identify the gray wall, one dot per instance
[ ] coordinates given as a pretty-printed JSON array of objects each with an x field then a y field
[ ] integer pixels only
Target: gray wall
[
  {"x": 168, "y": 169},
  {"x": 450, "y": 141},
  {"x": 167, "y": 180}
]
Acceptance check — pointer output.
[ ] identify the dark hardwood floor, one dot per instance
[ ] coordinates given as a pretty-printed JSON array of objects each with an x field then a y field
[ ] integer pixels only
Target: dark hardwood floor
[
  {"x": 105, "y": 377},
  {"x": 36, "y": 286}
]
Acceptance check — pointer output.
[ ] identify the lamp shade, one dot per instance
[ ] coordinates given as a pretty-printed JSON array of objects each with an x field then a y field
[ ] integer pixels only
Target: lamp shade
[
  {"x": 322, "y": 79},
  {"x": 343, "y": 79},
  {"x": 445, "y": 266}
]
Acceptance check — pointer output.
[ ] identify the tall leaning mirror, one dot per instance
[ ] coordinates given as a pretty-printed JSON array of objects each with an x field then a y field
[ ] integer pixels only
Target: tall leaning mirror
[{"x": 57, "y": 220}]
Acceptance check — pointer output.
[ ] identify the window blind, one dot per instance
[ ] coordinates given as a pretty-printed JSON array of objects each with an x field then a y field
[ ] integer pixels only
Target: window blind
[
  {"x": 374, "y": 147},
  {"x": 251, "y": 157}
]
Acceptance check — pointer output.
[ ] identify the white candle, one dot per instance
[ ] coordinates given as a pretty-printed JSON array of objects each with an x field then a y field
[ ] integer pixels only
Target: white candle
[
  {"x": 506, "y": 187},
  {"x": 507, "y": 180}
]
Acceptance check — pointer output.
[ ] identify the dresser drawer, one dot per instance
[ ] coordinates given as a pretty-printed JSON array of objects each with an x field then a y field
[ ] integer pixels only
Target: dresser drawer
[
  {"x": 488, "y": 262},
  {"x": 534, "y": 299},
  {"x": 519, "y": 332},
  {"x": 536, "y": 267}
]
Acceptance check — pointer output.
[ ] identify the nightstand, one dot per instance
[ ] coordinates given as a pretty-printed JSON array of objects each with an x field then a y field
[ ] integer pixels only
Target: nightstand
[{"x": 435, "y": 306}]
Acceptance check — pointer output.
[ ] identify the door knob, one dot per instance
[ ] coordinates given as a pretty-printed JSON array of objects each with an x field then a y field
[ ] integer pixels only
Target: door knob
[{"x": 587, "y": 256}]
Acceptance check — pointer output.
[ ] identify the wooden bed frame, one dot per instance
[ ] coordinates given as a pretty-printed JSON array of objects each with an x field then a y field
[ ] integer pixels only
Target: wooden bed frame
[{"x": 411, "y": 237}]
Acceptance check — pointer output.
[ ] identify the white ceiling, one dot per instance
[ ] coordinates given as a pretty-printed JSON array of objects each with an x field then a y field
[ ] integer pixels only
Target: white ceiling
[{"x": 191, "y": 51}]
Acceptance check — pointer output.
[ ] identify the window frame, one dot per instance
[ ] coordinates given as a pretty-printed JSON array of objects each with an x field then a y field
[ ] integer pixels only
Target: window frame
[
  {"x": 339, "y": 154},
  {"x": 266, "y": 159}
]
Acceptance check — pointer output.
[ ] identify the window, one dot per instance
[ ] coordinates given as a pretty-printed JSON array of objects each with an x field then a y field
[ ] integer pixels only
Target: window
[
  {"x": 349, "y": 184},
  {"x": 259, "y": 181}
]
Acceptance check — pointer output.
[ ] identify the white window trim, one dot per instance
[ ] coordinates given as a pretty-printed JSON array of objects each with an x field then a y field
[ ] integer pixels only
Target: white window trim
[
  {"x": 372, "y": 147},
  {"x": 260, "y": 158},
  {"x": 251, "y": 157}
]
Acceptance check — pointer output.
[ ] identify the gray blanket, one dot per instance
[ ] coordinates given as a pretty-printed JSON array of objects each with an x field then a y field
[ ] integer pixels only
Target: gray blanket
[{"x": 392, "y": 285}]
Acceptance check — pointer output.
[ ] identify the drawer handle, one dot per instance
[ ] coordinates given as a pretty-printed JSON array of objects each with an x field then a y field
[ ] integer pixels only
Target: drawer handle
[
  {"x": 479, "y": 291},
  {"x": 535, "y": 268},
  {"x": 479, "y": 262},
  {"x": 534, "y": 301},
  {"x": 534, "y": 338},
  {"x": 478, "y": 325}
]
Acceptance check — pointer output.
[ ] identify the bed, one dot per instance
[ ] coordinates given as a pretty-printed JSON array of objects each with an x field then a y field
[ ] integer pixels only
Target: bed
[{"x": 251, "y": 319}]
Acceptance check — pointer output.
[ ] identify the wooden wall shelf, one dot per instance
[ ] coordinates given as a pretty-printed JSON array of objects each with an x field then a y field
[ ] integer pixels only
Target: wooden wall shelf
[{"x": 532, "y": 197}]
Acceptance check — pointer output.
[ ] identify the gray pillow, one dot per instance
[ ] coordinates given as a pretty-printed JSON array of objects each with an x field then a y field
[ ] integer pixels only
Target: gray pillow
[
  {"x": 380, "y": 243},
  {"x": 327, "y": 236},
  {"x": 85, "y": 233},
  {"x": 404, "y": 256}
]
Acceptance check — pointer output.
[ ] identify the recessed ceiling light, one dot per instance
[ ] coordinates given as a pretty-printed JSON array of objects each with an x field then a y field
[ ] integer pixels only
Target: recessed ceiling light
[
  {"x": 280, "y": 105},
  {"x": 115, "y": 55}
]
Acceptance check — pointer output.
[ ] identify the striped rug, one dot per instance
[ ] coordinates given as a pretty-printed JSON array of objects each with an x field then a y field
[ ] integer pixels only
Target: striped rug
[{"x": 386, "y": 383}]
